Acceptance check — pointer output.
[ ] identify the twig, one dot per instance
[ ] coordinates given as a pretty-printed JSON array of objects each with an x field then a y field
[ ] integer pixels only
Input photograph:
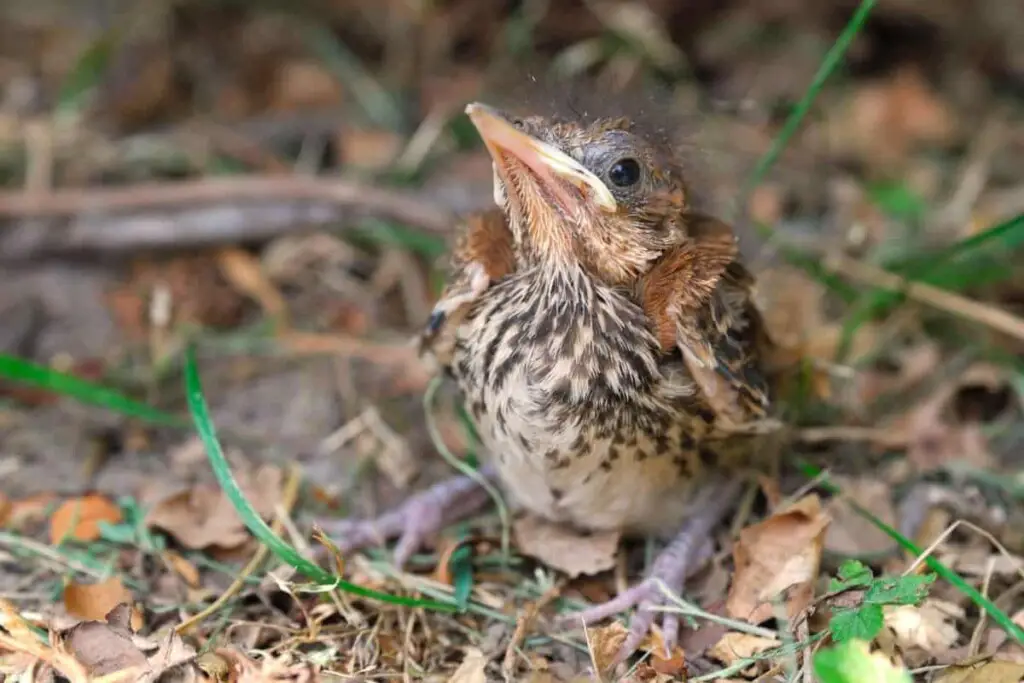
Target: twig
[
  {"x": 399, "y": 206},
  {"x": 523, "y": 623},
  {"x": 288, "y": 498},
  {"x": 982, "y": 313}
]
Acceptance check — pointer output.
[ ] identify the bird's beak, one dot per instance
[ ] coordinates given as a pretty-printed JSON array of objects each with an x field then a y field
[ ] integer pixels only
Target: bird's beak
[{"x": 552, "y": 166}]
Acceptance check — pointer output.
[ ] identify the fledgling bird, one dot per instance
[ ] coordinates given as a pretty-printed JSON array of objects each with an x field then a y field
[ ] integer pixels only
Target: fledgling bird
[{"x": 607, "y": 347}]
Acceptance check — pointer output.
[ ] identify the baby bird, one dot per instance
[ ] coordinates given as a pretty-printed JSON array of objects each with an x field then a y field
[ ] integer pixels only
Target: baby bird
[{"x": 607, "y": 347}]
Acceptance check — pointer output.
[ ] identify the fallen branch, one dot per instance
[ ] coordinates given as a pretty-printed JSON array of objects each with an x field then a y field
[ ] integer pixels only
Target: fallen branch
[{"x": 399, "y": 206}]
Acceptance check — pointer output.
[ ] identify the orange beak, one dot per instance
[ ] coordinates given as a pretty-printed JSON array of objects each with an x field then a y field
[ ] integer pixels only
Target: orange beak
[{"x": 556, "y": 170}]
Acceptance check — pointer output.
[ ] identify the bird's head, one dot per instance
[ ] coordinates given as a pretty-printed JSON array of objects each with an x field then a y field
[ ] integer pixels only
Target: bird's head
[{"x": 599, "y": 193}]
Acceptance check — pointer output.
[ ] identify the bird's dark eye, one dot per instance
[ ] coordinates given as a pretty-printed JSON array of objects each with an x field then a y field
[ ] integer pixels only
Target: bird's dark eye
[{"x": 624, "y": 173}]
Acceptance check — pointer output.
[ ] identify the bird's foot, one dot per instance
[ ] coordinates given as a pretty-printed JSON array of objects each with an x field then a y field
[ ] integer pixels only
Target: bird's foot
[
  {"x": 686, "y": 553},
  {"x": 413, "y": 522}
]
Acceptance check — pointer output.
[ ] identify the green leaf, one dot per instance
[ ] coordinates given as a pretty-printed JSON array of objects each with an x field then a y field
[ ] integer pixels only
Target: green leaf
[
  {"x": 460, "y": 564},
  {"x": 853, "y": 662},
  {"x": 862, "y": 622},
  {"x": 851, "y": 573},
  {"x": 42, "y": 377},
  {"x": 899, "y": 590},
  {"x": 123, "y": 533},
  {"x": 998, "y": 616},
  {"x": 260, "y": 529},
  {"x": 86, "y": 74},
  {"x": 898, "y": 200}
]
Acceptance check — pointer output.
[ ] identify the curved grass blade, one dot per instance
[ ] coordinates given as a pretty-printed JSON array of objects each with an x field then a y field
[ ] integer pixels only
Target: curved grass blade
[
  {"x": 259, "y": 528},
  {"x": 41, "y": 377},
  {"x": 996, "y": 614},
  {"x": 828, "y": 65}
]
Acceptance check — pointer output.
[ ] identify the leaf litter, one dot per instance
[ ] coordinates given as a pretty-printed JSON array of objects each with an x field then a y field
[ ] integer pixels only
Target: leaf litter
[{"x": 903, "y": 412}]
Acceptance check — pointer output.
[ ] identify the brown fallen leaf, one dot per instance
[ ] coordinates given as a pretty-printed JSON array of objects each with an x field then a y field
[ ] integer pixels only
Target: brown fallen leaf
[
  {"x": 565, "y": 549},
  {"x": 780, "y": 555},
  {"x": 472, "y": 668},
  {"x": 228, "y": 664},
  {"x": 245, "y": 273},
  {"x": 93, "y": 602},
  {"x": 111, "y": 647},
  {"x": 202, "y": 517},
  {"x": 604, "y": 643},
  {"x": 930, "y": 627},
  {"x": 102, "y": 648},
  {"x": 183, "y": 568},
  {"x": 79, "y": 518},
  {"x": 850, "y": 533},
  {"x": 735, "y": 646},
  {"x": 5, "y": 509},
  {"x": 991, "y": 671},
  {"x": 28, "y": 510}
]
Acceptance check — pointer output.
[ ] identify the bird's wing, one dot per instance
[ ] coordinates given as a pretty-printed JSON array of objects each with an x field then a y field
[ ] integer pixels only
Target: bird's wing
[
  {"x": 482, "y": 253},
  {"x": 698, "y": 298}
]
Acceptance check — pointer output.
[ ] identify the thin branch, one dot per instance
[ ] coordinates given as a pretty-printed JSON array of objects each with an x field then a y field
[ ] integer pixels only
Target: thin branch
[{"x": 399, "y": 206}]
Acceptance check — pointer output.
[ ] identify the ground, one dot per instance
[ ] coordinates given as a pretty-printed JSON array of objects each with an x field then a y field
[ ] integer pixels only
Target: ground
[{"x": 274, "y": 188}]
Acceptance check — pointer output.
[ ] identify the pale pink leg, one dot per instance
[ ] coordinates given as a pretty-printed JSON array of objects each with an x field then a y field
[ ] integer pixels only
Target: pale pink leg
[
  {"x": 423, "y": 515},
  {"x": 684, "y": 555}
]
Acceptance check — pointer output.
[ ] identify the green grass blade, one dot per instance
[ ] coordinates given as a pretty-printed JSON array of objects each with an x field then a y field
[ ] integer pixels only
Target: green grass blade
[
  {"x": 997, "y": 615},
  {"x": 86, "y": 74},
  {"x": 828, "y": 65},
  {"x": 253, "y": 521},
  {"x": 41, "y": 377},
  {"x": 968, "y": 262}
]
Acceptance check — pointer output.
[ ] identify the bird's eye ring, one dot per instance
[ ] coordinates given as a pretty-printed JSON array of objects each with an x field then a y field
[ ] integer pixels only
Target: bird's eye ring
[{"x": 624, "y": 172}]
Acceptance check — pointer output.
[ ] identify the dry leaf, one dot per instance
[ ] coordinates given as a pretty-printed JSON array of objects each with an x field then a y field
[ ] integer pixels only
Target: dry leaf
[
  {"x": 604, "y": 643},
  {"x": 992, "y": 671},
  {"x": 93, "y": 602},
  {"x": 6, "y": 506},
  {"x": 929, "y": 627},
  {"x": 850, "y": 533},
  {"x": 245, "y": 273},
  {"x": 368, "y": 148},
  {"x": 24, "y": 511},
  {"x": 565, "y": 549},
  {"x": 102, "y": 648},
  {"x": 776, "y": 556},
  {"x": 303, "y": 83},
  {"x": 203, "y": 517},
  {"x": 185, "y": 569},
  {"x": 78, "y": 519},
  {"x": 472, "y": 668},
  {"x": 735, "y": 646}
]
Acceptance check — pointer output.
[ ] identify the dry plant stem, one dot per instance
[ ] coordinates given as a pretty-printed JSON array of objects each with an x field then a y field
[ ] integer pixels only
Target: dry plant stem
[
  {"x": 288, "y": 497},
  {"x": 981, "y": 313},
  {"x": 147, "y": 196},
  {"x": 523, "y": 624}
]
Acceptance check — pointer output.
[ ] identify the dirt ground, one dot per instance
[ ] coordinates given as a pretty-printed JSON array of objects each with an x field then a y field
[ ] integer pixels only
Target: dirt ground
[{"x": 275, "y": 184}]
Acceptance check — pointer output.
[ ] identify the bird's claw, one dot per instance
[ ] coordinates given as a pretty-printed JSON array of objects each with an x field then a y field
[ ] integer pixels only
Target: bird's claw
[
  {"x": 413, "y": 522},
  {"x": 645, "y": 596}
]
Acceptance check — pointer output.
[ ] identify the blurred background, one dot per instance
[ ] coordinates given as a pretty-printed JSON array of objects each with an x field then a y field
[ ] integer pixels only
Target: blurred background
[{"x": 278, "y": 181}]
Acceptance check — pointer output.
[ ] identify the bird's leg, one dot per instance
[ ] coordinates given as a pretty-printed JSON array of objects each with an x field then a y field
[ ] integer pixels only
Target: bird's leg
[
  {"x": 420, "y": 517},
  {"x": 680, "y": 558}
]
